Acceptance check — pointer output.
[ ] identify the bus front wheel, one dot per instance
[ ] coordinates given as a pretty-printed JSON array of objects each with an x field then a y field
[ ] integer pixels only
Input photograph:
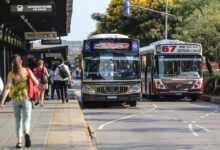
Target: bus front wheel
[{"x": 133, "y": 103}]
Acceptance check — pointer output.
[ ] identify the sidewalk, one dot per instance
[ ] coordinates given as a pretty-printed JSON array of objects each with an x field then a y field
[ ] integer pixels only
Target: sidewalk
[
  {"x": 211, "y": 98},
  {"x": 56, "y": 126}
]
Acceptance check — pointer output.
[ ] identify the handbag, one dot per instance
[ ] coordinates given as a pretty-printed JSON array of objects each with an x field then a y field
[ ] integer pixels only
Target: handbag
[
  {"x": 44, "y": 78},
  {"x": 33, "y": 90}
]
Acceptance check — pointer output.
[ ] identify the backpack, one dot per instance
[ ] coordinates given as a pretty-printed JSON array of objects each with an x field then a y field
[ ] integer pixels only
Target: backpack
[{"x": 63, "y": 72}]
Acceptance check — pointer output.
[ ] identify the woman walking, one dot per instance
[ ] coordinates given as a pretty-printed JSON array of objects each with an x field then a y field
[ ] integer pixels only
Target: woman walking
[
  {"x": 39, "y": 72},
  {"x": 18, "y": 89}
]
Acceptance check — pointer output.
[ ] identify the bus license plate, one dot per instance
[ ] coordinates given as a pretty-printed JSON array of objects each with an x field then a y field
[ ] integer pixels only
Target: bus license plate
[
  {"x": 112, "y": 97},
  {"x": 178, "y": 94}
]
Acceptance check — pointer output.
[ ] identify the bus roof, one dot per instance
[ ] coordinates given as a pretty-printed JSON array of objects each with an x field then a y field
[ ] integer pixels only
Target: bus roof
[
  {"x": 165, "y": 41},
  {"x": 152, "y": 45},
  {"x": 109, "y": 35}
]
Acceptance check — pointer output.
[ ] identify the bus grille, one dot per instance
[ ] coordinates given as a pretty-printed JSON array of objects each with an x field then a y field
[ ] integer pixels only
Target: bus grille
[
  {"x": 112, "y": 89},
  {"x": 178, "y": 86}
]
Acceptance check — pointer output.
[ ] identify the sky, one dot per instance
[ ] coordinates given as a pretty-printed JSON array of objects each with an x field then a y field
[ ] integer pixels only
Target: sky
[{"x": 82, "y": 24}]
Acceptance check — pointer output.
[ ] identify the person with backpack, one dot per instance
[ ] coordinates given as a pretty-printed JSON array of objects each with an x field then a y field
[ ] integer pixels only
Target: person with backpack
[
  {"x": 64, "y": 79},
  {"x": 55, "y": 85},
  {"x": 41, "y": 73}
]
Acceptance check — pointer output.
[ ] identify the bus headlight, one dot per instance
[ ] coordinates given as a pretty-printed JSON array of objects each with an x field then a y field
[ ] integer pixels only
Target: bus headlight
[
  {"x": 88, "y": 89},
  {"x": 135, "y": 88}
]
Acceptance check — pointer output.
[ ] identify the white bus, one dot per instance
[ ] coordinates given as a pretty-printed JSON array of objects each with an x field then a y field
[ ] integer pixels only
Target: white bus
[{"x": 171, "y": 68}]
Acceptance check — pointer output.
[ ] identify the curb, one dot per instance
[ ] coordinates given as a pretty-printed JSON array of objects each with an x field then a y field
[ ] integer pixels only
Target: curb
[
  {"x": 205, "y": 97},
  {"x": 215, "y": 99}
]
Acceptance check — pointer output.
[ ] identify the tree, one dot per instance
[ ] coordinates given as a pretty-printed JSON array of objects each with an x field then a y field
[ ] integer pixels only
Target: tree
[
  {"x": 201, "y": 24},
  {"x": 144, "y": 25}
]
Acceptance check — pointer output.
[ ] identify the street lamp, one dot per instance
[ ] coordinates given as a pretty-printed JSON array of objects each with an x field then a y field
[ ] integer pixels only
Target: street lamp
[{"x": 128, "y": 12}]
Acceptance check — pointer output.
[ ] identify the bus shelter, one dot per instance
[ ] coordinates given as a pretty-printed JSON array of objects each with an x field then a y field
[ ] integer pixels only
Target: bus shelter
[
  {"x": 51, "y": 56},
  {"x": 24, "y": 16}
]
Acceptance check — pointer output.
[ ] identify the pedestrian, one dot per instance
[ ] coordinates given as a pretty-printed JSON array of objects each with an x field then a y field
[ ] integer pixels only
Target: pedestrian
[
  {"x": 64, "y": 79},
  {"x": 18, "y": 89},
  {"x": 40, "y": 72},
  {"x": 55, "y": 84},
  {"x": 46, "y": 94},
  {"x": 1, "y": 86}
]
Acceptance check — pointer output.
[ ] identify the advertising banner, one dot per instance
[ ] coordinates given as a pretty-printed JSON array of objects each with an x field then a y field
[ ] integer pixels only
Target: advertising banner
[{"x": 40, "y": 35}]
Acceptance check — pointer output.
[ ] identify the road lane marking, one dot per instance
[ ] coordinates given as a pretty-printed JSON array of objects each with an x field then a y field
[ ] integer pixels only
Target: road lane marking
[
  {"x": 110, "y": 122},
  {"x": 125, "y": 117},
  {"x": 205, "y": 129},
  {"x": 190, "y": 126}
]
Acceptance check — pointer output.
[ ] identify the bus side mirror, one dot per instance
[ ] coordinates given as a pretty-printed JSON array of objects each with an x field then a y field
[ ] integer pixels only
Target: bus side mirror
[{"x": 203, "y": 60}]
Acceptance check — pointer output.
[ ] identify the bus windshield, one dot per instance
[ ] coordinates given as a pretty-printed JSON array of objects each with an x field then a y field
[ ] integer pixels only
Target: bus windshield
[
  {"x": 178, "y": 66},
  {"x": 111, "y": 66}
]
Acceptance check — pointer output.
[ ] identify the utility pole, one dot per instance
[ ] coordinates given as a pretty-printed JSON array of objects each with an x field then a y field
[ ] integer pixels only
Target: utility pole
[{"x": 166, "y": 20}]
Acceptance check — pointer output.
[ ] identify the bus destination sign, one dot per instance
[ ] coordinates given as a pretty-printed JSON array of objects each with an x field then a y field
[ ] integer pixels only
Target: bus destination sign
[
  {"x": 182, "y": 48},
  {"x": 109, "y": 45}
]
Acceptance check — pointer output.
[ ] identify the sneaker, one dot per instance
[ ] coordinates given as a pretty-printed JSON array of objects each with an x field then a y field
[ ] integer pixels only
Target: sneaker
[{"x": 36, "y": 103}]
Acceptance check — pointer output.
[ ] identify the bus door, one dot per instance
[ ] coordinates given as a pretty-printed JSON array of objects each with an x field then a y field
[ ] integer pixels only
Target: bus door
[
  {"x": 149, "y": 75},
  {"x": 143, "y": 73}
]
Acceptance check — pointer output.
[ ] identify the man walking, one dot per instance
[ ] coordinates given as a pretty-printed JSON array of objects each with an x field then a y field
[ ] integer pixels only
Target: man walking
[
  {"x": 1, "y": 86},
  {"x": 64, "y": 79}
]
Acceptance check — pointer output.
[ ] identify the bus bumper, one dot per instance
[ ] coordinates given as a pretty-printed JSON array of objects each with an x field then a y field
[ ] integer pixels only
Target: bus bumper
[
  {"x": 113, "y": 98},
  {"x": 179, "y": 93}
]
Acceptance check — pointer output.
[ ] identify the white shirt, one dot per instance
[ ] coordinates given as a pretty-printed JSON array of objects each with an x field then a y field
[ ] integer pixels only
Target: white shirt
[
  {"x": 57, "y": 72},
  {"x": 1, "y": 86}
]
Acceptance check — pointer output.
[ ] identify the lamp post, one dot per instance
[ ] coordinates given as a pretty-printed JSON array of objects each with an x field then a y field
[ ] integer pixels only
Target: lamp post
[{"x": 128, "y": 12}]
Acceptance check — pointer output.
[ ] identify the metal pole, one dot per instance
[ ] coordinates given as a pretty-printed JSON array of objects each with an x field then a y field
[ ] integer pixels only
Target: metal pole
[{"x": 166, "y": 20}]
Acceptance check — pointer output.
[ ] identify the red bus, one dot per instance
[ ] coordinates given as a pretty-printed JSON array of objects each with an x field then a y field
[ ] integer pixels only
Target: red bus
[{"x": 171, "y": 68}]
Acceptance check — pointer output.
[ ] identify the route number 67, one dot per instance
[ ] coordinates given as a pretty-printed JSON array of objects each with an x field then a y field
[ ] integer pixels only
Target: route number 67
[{"x": 167, "y": 49}]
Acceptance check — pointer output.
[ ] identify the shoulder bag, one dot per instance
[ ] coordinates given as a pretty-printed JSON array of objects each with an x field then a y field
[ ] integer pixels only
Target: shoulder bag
[
  {"x": 44, "y": 78},
  {"x": 33, "y": 90}
]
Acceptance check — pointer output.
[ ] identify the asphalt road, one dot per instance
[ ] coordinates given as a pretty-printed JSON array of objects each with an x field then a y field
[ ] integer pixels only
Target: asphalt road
[{"x": 155, "y": 125}]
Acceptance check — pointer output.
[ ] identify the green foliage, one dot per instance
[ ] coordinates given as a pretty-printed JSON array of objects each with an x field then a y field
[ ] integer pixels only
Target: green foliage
[
  {"x": 144, "y": 25},
  {"x": 78, "y": 57},
  {"x": 209, "y": 84},
  {"x": 205, "y": 74},
  {"x": 201, "y": 24}
]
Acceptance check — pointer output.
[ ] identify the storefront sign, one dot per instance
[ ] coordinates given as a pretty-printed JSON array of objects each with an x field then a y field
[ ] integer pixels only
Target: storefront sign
[
  {"x": 40, "y": 35},
  {"x": 51, "y": 42},
  {"x": 32, "y": 8}
]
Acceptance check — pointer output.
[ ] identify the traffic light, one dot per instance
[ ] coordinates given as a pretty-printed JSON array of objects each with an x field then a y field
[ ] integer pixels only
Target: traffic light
[{"x": 127, "y": 7}]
